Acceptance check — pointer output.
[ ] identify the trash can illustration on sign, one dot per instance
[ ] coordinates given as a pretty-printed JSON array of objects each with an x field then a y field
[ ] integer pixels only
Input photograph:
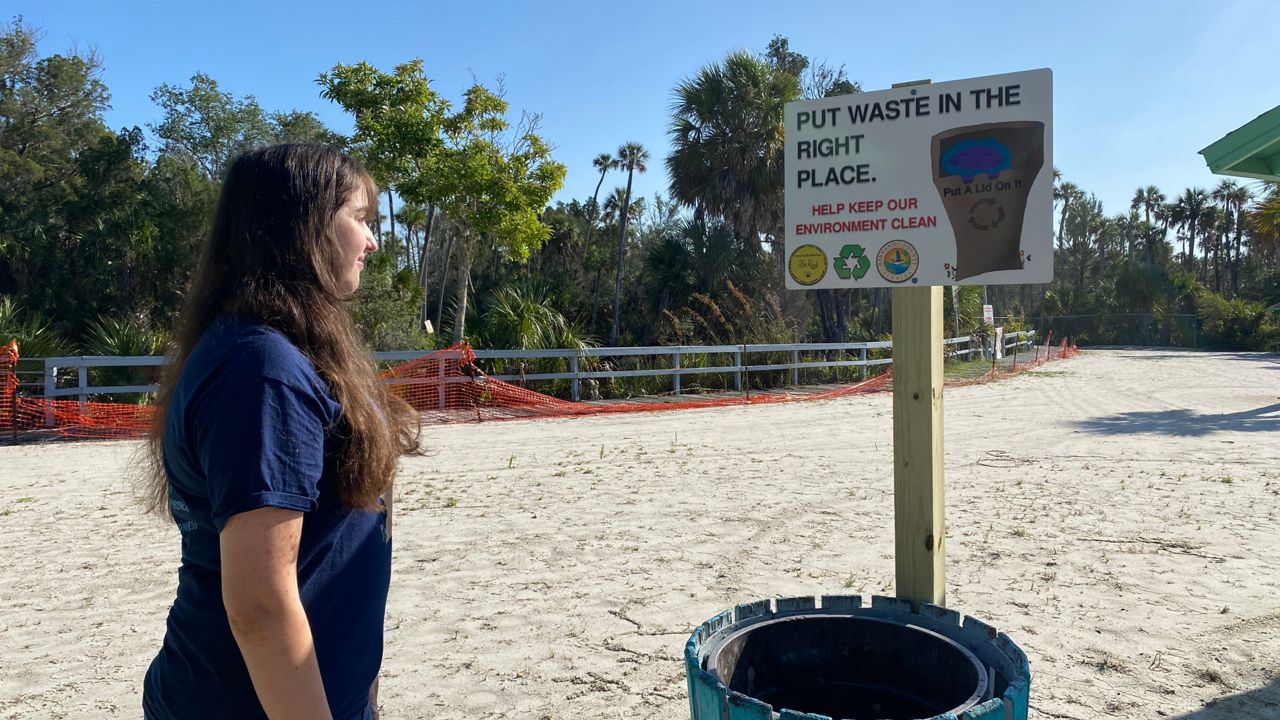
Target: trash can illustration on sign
[{"x": 984, "y": 174}]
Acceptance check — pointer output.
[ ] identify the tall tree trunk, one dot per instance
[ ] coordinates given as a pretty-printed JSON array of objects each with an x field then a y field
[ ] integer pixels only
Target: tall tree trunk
[
  {"x": 1062, "y": 222},
  {"x": 825, "y": 314},
  {"x": 465, "y": 251},
  {"x": 1103, "y": 243},
  {"x": 444, "y": 279},
  {"x": 1191, "y": 245},
  {"x": 1217, "y": 264},
  {"x": 410, "y": 251},
  {"x": 595, "y": 215},
  {"x": 1235, "y": 264},
  {"x": 391, "y": 239},
  {"x": 622, "y": 247},
  {"x": 422, "y": 262},
  {"x": 595, "y": 299}
]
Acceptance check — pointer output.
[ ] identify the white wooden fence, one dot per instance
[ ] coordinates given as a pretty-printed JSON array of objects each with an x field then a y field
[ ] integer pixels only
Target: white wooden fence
[{"x": 735, "y": 362}]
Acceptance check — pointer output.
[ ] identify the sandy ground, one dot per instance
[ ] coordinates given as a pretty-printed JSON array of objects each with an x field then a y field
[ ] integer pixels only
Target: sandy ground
[{"x": 1114, "y": 513}]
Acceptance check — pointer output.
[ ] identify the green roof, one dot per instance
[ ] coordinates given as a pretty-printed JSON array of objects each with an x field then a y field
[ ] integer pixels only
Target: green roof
[{"x": 1251, "y": 151}]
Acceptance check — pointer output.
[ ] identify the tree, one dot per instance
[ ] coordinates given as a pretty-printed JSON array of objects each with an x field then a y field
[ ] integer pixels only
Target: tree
[
  {"x": 603, "y": 163},
  {"x": 633, "y": 158},
  {"x": 208, "y": 125},
  {"x": 1264, "y": 220},
  {"x": 50, "y": 108},
  {"x": 817, "y": 79},
  {"x": 1066, "y": 193},
  {"x": 1234, "y": 197},
  {"x": 1191, "y": 205},
  {"x": 727, "y": 133},
  {"x": 72, "y": 209},
  {"x": 1147, "y": 199},
  {"x": 211, "y": 126},
  {"x": 488, "y": 179}
]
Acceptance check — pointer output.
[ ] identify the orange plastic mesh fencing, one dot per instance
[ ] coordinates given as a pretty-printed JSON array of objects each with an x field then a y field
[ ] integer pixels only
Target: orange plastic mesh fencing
[
  {"x": 447, "y": 387},
  {"x": 444, "y": 386},
  {"x": 1021, "y": 362}
]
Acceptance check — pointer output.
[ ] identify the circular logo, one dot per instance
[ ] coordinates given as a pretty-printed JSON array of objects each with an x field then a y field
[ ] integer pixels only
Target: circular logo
[
  {"x": 897, "y": 261},
  {"x": 808, "y": 264}
]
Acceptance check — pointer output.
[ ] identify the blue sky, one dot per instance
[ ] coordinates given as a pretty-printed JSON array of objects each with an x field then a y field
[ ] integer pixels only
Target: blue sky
[{"x": 1139, "y": 88}]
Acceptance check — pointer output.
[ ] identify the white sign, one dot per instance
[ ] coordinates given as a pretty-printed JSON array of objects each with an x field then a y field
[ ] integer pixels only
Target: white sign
[
  {"x": 988, "y": 315},
  {"x": 937, "y": 184}
]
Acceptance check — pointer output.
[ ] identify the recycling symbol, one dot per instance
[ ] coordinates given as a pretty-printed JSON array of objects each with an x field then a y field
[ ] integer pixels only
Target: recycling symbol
[
  {"x": 855, "y": 255},
  {"x": 991, "y": 222}
]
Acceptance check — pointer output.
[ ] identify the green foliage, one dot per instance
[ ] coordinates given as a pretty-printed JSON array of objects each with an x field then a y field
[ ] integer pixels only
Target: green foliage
[
  {"x": 127, "y": 337},
  {"x": 1236, "y": 324},
  {"x": 387, "y": 306},
  {"x": 490, "y": 181},
  {"x": 520, "y": 317},
  {"x": 35, "y": 335},
  {"x": 726, "y": 133},
  {"x": 210, "y": 126},
  {"x": 124, "y": 337}
]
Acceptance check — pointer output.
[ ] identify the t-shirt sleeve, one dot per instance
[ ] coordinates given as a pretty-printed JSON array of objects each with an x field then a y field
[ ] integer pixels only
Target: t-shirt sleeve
[{"x": 260, "y": 442}]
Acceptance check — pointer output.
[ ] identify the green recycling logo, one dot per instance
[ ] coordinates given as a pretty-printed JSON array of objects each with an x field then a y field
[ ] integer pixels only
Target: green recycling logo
[{"x": 852, "y": 262}]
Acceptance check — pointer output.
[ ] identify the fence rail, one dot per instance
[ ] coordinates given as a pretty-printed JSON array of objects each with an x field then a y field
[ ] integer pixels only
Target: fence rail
[{"x": 953, "y": 347}]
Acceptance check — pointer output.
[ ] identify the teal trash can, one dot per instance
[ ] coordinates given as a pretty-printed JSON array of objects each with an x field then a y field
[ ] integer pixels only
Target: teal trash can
[{"x": 832, "y": 658}]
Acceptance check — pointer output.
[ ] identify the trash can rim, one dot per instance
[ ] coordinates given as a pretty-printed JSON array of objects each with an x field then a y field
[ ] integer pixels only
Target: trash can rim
[{"x": 708, "y": 651}]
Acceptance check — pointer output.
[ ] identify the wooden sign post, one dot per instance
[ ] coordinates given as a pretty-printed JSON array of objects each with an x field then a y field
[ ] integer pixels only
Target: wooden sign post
[
  {"x": 917, "y": 445},
  {"x": 918, "y": 508}
]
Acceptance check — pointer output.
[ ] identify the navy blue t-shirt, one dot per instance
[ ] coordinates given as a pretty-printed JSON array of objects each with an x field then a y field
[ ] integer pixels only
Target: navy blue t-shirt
[{"x": 252, "y": 425}]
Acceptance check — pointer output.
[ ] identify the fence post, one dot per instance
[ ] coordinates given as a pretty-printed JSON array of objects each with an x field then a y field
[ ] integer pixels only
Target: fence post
[
  {"x": 862, "y": 355},
  {"x": 675, "y": 377},
  {"x": 573, "y": 384},
  {"x": 440, "y": 381},
  {"x": 9, "y": 389},
  {"x": 795, "y": 371},
  {"x": 50, "y": 386},
  {"x": 737, "y": 377},
  {"x": 82, "y": 379}
]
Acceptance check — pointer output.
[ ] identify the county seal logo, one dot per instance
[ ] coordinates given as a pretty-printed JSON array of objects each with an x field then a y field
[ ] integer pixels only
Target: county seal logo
[{"x": 897, "y": 261}]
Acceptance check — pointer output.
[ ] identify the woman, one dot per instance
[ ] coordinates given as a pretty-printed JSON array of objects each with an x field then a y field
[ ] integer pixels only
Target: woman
[{"x": 274, "y": 453}]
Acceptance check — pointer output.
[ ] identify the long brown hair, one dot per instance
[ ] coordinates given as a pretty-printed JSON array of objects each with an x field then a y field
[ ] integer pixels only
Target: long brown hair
[{"x": 272, "y": 256}]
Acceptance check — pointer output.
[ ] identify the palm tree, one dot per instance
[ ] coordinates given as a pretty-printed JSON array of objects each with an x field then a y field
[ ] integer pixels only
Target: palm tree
[
  {"x": 1150, "y": 201},
  {"x": 1192, "y": 204},
  {"x": 1174, "y": 215},
  {"x": 603, "y": 163},
  {"x": 727, "y": 136},
  {"x": 1264, "y": 221},
  {"x": 611, "y": 208},
  {"x": 1068, "y": 194},
  {"x": 634, "y": 158},
  {"x": 1147, "y": 199},
  {"x": 1130, "y": 227},
  {"x": 522, "y": 317},
  {"x": 1234, "y": 197},
  {"x": 1086, "y": 224},
  {"x": 1212, "y": 229}
]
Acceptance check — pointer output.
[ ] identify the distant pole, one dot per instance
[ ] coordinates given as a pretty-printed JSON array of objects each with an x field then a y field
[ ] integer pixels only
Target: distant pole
[{"x": 955, "y": 310}]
